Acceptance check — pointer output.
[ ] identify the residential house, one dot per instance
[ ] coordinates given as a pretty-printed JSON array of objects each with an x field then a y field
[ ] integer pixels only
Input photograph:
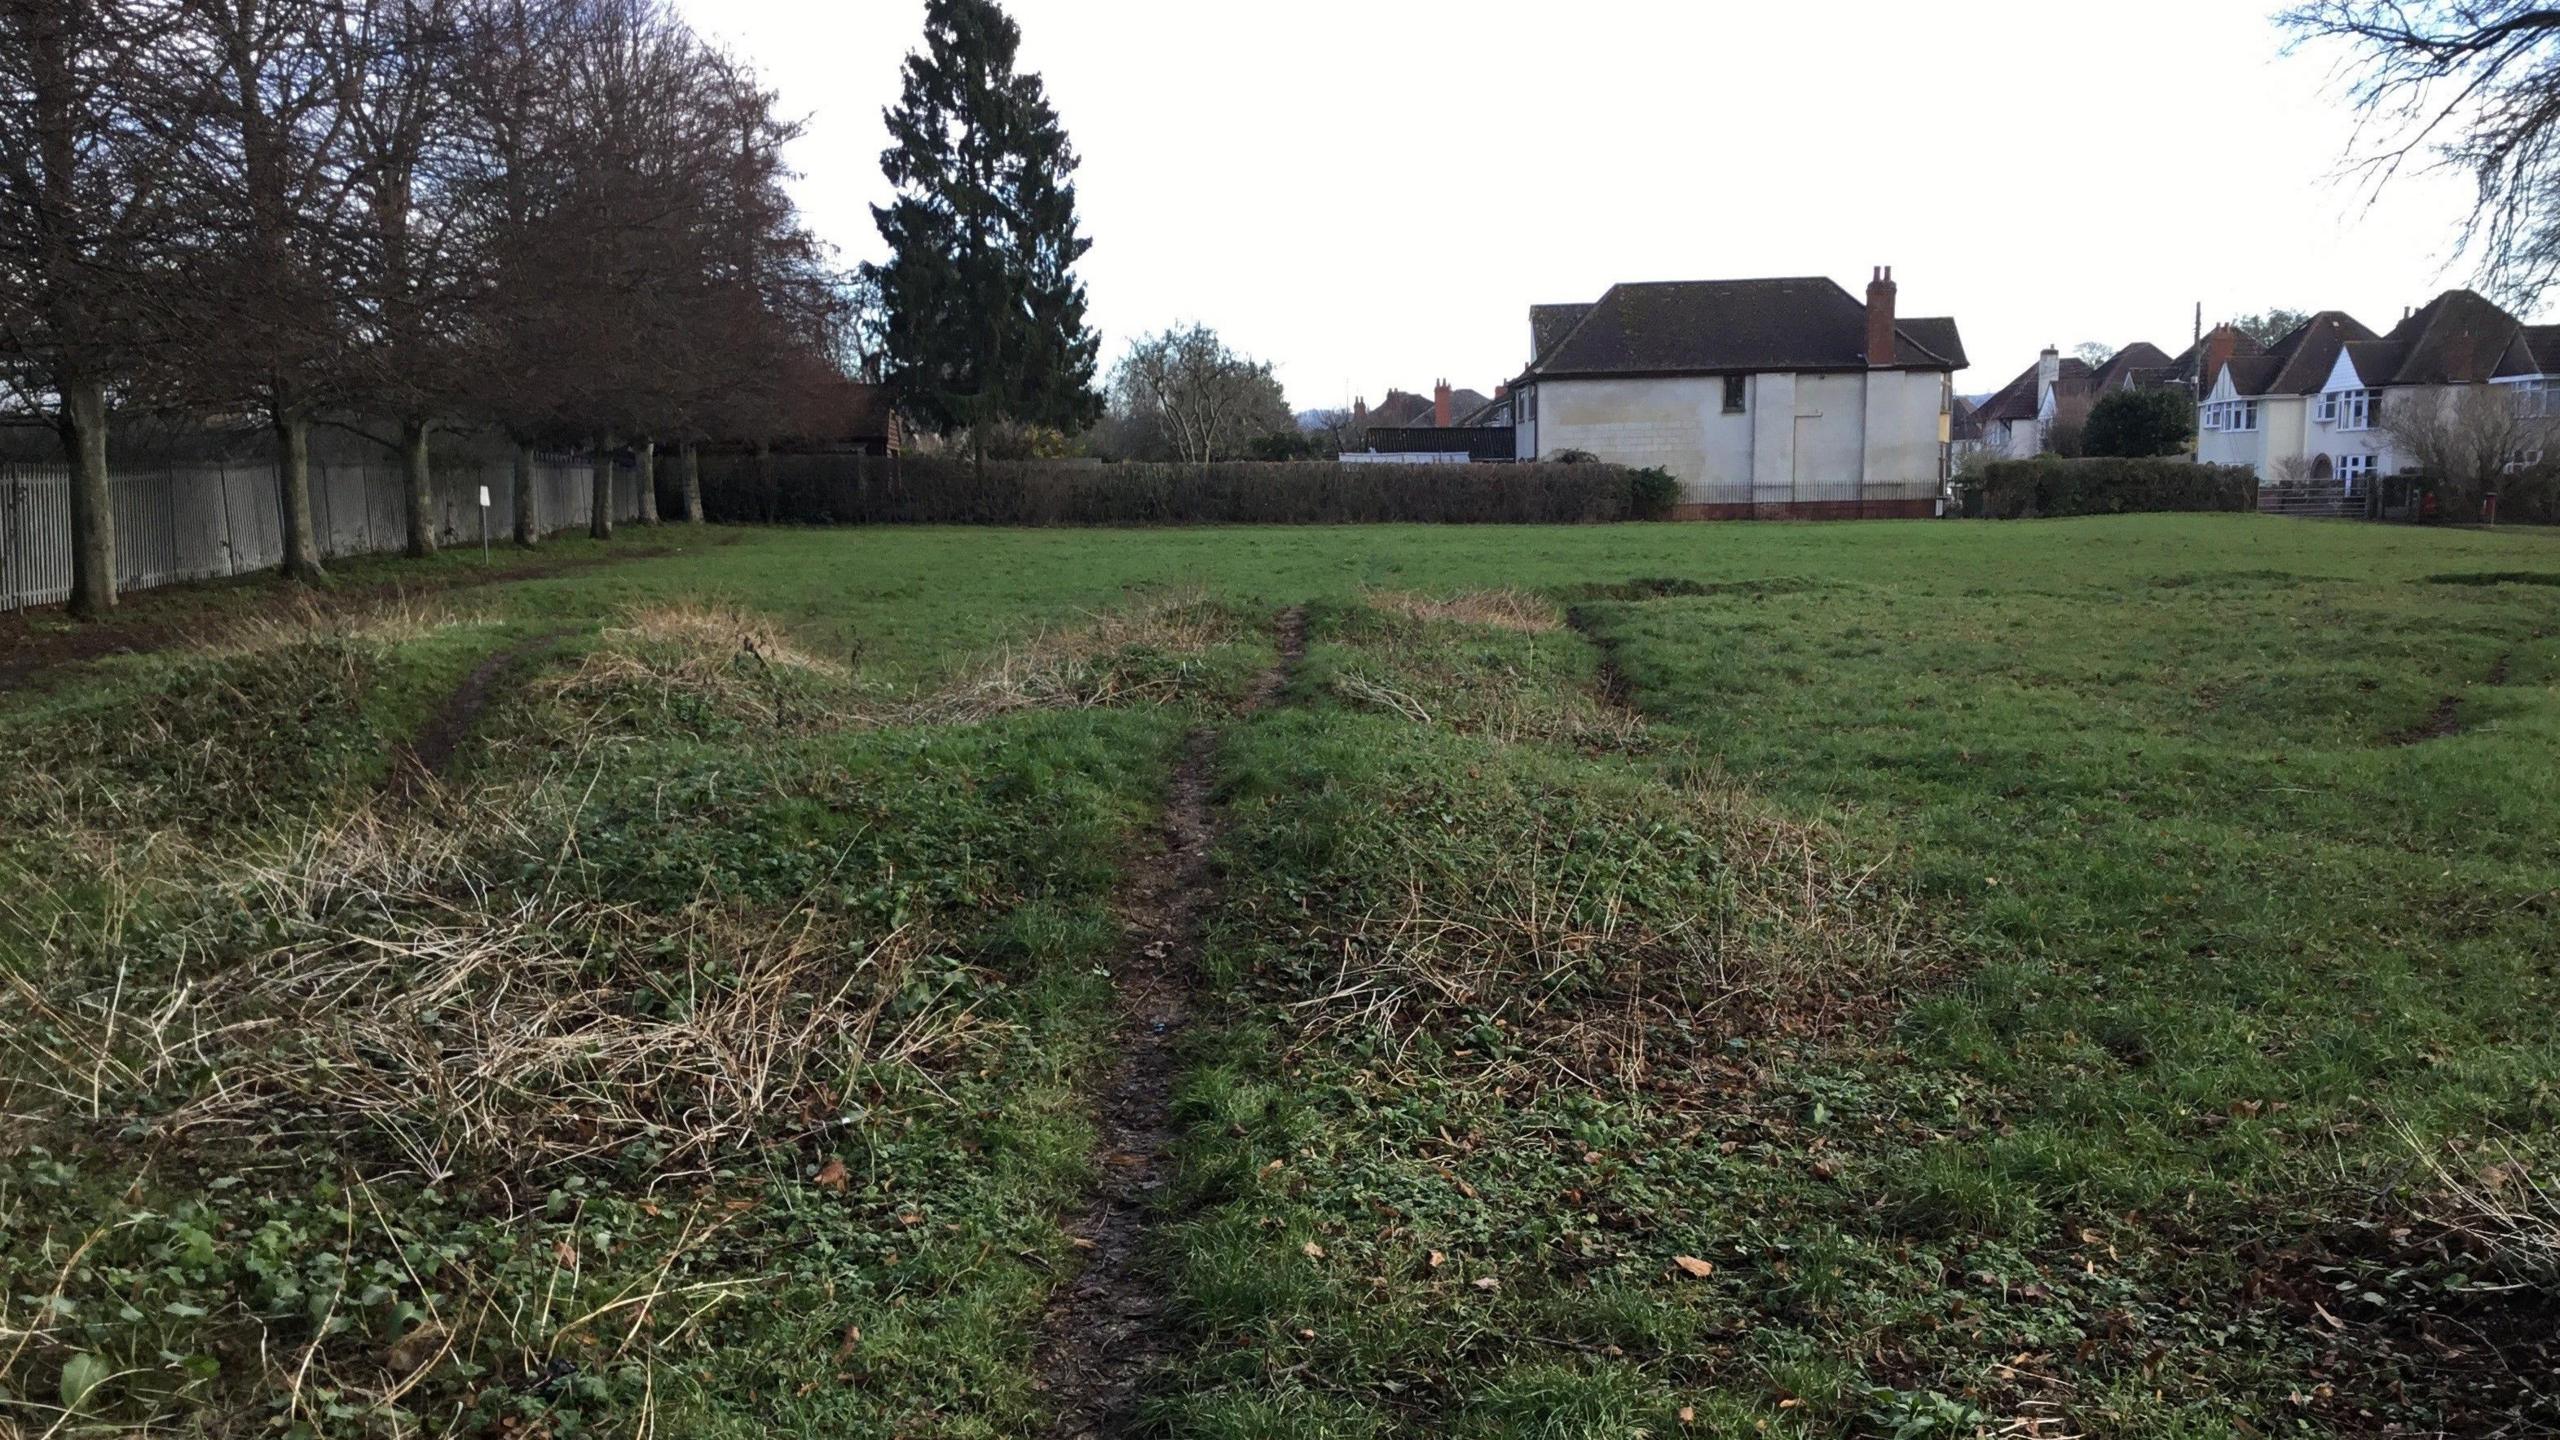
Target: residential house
[
  {"x": 2019, "y": 418},
  {"x": 1964, "y": 429},
  {"x": 1782, "y": 397},
  {"x": 2312, "y": 406},
  {"x": 1451, "y": 424}
]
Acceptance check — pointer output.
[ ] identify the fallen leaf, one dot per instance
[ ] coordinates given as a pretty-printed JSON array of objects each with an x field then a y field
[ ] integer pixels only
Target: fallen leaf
[
  {"x": 1487, "y": 1282},
  {"x": 1312, "y": 1250},
  {"x": 1688, "y": 1414},
  {"x": 1694, "y": 1265},
  {"x": 833, "y": 1177},
  {"x": 852, "y": 1338},
  {"x": 1436, "y": 1259}
]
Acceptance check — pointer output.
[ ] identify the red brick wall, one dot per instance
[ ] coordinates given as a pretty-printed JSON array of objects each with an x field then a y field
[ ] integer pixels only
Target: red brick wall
[{"x": 1812, "y": 510}]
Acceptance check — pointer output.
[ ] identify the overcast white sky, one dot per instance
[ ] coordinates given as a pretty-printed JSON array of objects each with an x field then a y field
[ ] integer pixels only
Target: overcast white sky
[{"x": 1372, "y": 192}]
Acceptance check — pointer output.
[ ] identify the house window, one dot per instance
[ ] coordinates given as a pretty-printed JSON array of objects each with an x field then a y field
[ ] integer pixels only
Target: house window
[
  {"x": 2328, "y": 408},
  {"x": 2232, "y": 415},
  {"x": 1733, "y": 392},
  {"x": 2533, "y": 398},
  {"x": 2352, "y": 468},
  {"x": 2353, "y": 409}
]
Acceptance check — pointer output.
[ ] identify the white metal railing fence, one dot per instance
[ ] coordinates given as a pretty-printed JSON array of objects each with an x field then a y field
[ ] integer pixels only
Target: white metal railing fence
[{"x": 198, "y": 522}]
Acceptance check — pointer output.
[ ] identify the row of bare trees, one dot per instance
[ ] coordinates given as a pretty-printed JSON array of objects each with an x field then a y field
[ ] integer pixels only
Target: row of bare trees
[{"x": 563, "y": 220}]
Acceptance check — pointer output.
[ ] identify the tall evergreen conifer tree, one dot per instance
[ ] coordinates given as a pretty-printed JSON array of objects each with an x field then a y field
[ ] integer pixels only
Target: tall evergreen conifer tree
[{"x": 985, "y": 315}]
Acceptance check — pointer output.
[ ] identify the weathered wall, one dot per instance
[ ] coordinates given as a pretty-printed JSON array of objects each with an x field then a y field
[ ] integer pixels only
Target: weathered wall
[{"x": 1821, "y": 439}]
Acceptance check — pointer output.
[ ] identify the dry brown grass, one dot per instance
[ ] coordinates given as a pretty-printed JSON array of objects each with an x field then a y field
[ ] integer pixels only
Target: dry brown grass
[
  {"x": 1151, "y": 651},
  {"x": 1517, "y": 610},
  {"x": 1588, "y": 984},
  {"x": 689, "y": 665},
  {"x": 717, "y": 660},
  {"x": 2497, "y": 1201},
  {"x": 399, "y": 620},
  {"x": 1507, "y": 690},
  {"x": 407, "y": 1003}
]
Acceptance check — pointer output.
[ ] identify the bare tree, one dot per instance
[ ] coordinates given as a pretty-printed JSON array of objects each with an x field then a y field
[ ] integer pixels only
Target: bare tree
[
  {"x": 269, "y": 167},
  {"x": 2472, "y": 440},
  {"x": 2473, "y": 85},
  {"x": 412, "y": 250},
  {"x": 1205, "y": 400},
  {"x": 90, "y": 117}
]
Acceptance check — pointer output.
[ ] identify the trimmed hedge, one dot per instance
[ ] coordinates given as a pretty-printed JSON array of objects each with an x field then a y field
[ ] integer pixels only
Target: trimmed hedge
[
  {"x": 854, "y": 490},
  {"x": 2050, "y": 487}
]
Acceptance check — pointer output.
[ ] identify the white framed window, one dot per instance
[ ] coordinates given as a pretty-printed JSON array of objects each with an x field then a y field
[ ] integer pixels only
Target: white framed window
[
  {"x": 2238, "y": 415},
  {"x": 2533, "y": 398},
  {"x": 2354, "y": 409},
  {"x": 2329, "y": 407},
  {"x": 2356, "y": 467}
]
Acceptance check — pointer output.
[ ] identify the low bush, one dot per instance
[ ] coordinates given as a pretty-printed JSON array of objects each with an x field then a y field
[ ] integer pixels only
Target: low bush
[
  {"x": 858, "y": 490},
  {"x": 1651, "y": 492},
  {"x": 2046, "y": 487}
]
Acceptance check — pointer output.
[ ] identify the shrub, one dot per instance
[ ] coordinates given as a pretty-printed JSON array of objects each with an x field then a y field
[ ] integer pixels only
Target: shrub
[
  {"x": 1651, "y": 492},
  {"x": 847, "y": 489},
  {"x": 2027, "y": 489},
  {"x": 2140, "y": 423}
]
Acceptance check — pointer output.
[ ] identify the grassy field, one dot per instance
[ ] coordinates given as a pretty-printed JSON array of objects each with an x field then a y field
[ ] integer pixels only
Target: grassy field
[{"x": 1901, "y": 980}]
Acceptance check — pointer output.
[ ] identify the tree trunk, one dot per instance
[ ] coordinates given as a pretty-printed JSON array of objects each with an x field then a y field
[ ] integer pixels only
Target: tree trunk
[
  {"x": 93, "y": 510},
  {"x": 528, "y": 524},
  {"x": 692, "y": 460},
  {"x": 647, "y": 453},
  {"x": 600, "y": 524},
  {"x": 293, "y": 482},
  {"x": 768, "y": 493},
  {"x": 418, "y": 488}
]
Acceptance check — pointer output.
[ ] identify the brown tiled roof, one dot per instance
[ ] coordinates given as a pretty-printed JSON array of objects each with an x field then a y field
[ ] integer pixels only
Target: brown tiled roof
[
  {"x": 2120, "y": 368},
  {"x": 2455, "y": 339},
  {"x": 1724, "y": 326},
  {"x": 1963, "y": 421},
  {"x": 2299, "y": 364},
  {"x": 1401, "y": 407},
  {"x": 2021, "y": 398}
]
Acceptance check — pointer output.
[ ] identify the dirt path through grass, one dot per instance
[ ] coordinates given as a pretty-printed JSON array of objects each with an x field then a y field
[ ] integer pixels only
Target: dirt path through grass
[
  {"x": 430, "y": 752},
  {"x": 1105, "y": 1334}
]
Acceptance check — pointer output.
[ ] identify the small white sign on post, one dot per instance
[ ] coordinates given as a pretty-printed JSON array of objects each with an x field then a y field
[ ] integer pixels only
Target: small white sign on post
[
  {"x": 484, "y": 497},
  {"x": 484, "y": 524}
]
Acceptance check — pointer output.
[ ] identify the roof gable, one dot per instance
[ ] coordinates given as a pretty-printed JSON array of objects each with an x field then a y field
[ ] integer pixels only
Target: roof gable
[
  {"x": 2342, "y": 375},
  {"x": 2458, "y": 338},
  {"x": 2118, "y": 373}
]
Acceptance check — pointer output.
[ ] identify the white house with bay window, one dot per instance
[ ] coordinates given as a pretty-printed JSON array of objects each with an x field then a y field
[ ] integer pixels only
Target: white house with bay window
[{"x": 2314, "y": 405}]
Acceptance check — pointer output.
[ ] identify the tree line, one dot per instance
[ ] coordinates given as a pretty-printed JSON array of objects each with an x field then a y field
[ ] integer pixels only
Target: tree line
[{"x": 560, "y": 220}]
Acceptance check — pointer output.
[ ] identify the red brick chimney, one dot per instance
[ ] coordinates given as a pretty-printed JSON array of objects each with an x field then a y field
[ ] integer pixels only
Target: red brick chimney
[
  {"x": 1359, "y": 409},
  {"x": 2219, "y": 343},
  {"x": 1440, "y": 405},
  {"x": 1880, "y": 346}
]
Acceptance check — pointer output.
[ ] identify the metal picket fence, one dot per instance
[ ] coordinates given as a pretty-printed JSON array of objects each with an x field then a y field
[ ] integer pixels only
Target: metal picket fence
[{"x": 200, "y": 522}]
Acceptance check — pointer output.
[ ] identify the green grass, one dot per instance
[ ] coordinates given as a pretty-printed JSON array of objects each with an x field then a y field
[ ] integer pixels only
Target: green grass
[{"x": 2066, "y": 969}]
